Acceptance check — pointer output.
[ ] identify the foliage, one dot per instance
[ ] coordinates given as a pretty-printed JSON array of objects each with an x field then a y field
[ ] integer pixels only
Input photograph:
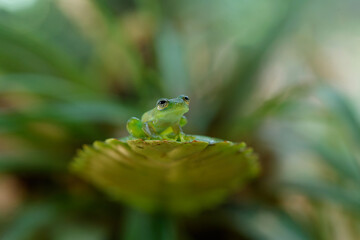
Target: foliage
[{"x": 278, "y": 75}]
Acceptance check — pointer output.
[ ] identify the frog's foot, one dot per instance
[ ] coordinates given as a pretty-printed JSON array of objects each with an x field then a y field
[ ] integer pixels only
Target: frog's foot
[
  {"x": 185, "y": 138},
  {"x": 188, "y": 138},
  {"x": 170, "y": 136},
  {"x": 177, "y": 137}
]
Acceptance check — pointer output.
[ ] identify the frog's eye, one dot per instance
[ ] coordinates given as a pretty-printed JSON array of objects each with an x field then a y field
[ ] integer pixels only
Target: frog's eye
[
  {"x": 162, "y": 103},
  {"x": 186, "y": 99}
]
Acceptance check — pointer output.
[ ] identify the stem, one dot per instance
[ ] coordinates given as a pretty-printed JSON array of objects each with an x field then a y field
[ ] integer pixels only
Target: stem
[{"x": 144, "y": 226}]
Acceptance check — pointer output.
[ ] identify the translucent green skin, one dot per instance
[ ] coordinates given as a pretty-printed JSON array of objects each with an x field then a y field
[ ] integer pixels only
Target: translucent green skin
[{"x": 161, "y": 124}]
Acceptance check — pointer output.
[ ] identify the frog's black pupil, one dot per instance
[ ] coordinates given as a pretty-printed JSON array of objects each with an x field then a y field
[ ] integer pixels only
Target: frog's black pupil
[
  {"x": 186, "y": 98},
  {"x": 162, "y": 102}
]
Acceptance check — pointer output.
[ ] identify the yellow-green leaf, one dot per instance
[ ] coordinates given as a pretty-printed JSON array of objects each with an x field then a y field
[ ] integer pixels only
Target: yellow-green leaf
[{"x": 167, "y": 176}]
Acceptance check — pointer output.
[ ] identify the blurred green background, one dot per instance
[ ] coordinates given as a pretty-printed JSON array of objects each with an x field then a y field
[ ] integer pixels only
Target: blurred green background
[{"x": 282, "y": 75}]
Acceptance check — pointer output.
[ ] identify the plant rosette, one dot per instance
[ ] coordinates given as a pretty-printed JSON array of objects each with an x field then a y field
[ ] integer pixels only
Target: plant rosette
[{"x": 168, "y": 176}]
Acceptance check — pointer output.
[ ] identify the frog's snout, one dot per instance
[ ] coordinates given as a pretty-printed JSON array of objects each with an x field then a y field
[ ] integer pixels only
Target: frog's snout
[
  {"x": 181, "y": 107},
  {"x": 185, "y": 106}
]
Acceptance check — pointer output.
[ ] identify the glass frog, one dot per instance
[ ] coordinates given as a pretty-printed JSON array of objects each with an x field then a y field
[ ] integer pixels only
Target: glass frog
[{"x": 162, "y": 122}]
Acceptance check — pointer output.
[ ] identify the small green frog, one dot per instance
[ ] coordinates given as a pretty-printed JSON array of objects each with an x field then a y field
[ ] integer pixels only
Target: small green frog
[{"x": 162, "y": 122}]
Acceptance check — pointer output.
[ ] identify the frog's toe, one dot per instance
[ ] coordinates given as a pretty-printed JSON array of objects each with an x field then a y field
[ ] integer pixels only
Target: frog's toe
[{"x": 182, "y": 137}]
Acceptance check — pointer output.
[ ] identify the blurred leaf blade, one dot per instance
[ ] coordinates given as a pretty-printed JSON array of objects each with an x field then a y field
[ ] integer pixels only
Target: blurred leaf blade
[
  {"x": 281, "y": 103},
  {"x": 267, "y": 224},
  {"x": 32, "y": 162},
  {"x": 170, "y": 53},
  {"x": 43, "y": 85},
  {"x": 31, "y": 220},
  {"x": 244, "y": 79},
  {"x": 326, "y": 191},
  {"x": 342, "y": 108},
  {"x": 38, "y": 49},
  {"x": 347, "y": 165}
]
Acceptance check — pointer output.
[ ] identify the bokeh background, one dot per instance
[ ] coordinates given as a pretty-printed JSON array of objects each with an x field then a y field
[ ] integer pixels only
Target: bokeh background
[{"x": 282, "y": 75}]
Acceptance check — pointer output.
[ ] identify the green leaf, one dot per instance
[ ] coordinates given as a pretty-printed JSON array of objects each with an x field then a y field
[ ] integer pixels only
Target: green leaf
[
  {"x": 31, "y": 162},
  {"x": 343, "y": 109},
  {"x": 70, "y": 229},
  {"x": 170, "y": 52},
  {"x": 344, "y": 163},
  {"x": 167, "y": 176},
  {"x": 46, "y": 86},
  {"x": 24, "y": 52},
  {"x": 30, "y": 220},
  {"x": 283, "y": 102},
  {"x": 266, "y": 223},
  {"x": 319, "y": 189},
  {"x": 86, "y": 111},
  {"x": 244, "y": 80}
]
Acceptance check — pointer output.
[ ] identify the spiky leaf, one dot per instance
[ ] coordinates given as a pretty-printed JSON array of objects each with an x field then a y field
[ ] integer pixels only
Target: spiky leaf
[{"x": 168, "y": 176}]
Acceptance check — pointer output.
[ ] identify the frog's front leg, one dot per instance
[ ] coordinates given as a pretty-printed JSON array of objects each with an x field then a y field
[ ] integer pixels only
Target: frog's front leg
[
  {"x": 149, "y": 129},
  {"x": 178, "y": 131},
  {"x": 135, "y": 128}
]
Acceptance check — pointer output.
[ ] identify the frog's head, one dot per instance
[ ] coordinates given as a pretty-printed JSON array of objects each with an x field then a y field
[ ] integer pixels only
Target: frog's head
[{"x": 172, "y": 107}]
